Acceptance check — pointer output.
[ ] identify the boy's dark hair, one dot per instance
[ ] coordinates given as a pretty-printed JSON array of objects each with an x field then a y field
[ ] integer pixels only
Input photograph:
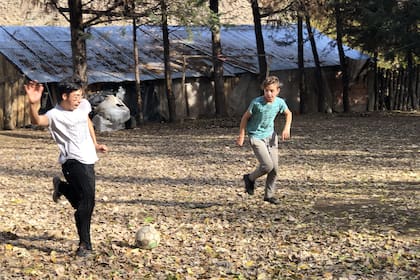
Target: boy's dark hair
[
  {"x": 271, "y": 80},
  {"x": 68, "y": 85}
]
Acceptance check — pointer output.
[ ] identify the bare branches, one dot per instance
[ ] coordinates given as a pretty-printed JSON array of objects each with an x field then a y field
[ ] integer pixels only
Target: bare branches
[
  {"x": 115, "y": 11},
  {"x": 56, "y": 6}
]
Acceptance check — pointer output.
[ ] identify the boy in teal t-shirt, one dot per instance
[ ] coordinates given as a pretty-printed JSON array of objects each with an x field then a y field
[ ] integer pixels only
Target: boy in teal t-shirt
[{"x": 258, "y": 122}]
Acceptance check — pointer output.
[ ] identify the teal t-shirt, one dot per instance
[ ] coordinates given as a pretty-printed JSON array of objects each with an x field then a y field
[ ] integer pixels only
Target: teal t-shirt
[{"x": 261, "y": 123}]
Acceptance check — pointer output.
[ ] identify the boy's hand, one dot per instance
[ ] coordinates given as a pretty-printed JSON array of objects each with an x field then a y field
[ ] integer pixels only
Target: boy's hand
[
  {"x": 285, "y": 134},
  {"x": 240, "y": 140},
  {"x": 101, "y": 148},
  {"x": 286, "y": 129},
  {"x": 34, "y": 91}
]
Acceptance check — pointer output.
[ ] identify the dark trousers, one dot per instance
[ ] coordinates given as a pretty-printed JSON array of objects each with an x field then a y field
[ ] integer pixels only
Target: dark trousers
[{"x": 80, "y": 192}]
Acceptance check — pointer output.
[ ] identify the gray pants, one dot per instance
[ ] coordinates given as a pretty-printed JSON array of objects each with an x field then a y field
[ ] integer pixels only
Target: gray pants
[{"x": 266, "y": 152}]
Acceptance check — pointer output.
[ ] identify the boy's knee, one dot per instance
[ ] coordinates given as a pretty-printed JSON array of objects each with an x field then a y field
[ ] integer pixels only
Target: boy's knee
[
  {"x": 266, "y": 168},
  {"x": 274, "y": 171}
]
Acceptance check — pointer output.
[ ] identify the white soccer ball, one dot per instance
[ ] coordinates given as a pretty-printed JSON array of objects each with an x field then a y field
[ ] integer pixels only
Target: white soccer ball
[{"x": 147, "y": 237}]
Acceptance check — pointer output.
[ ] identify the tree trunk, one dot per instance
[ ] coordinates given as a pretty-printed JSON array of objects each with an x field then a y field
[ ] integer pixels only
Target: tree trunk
[
  {"x": 322, "y": 100},
  {"x": 219, "y": 95},
  {"x": 416, "y": 86},
  {"x": 410, "y": 87},
  {"x": 343, "y": 63},
  {"x": 374, "y": 96},
  {"x": 139, "y": 116},
  {"x": 78, "y": 41},
  {"x": 301, "y": 65},
  {"x": 262, "y": 60},
  {"x": 168, "y": 77}
]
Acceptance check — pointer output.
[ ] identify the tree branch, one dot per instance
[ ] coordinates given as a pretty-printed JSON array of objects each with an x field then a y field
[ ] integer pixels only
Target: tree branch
[
  {"x": 268, "y": 13},
  {"x": 55, "y": 5}
]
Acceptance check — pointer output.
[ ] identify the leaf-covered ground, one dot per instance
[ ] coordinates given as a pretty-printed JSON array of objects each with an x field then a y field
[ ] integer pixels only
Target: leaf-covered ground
[{"x": 349, "y": 187}]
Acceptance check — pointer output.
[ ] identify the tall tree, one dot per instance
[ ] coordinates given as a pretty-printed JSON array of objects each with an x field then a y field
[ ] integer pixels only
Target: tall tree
[
  {"x": 338, "y": 12},
  {"x": 185, "y": 13},
  {"x": 311, "y": 9},
  {"x": 262, "y": 60},
  {"x": 301, "y": 11},
  {"x": 76, "y": 9},
  {"x": 139, "y": 116},
  {"x": 78, "y": 40},
  {"x": 322, "y": 100},
  {"x": 390, "y": 29},
  {"x": 301, "y": 65},
  {"x": 167, "y": 62},
  {"x": 111, "y": 11},
  {"x": 219, "y": 94}
]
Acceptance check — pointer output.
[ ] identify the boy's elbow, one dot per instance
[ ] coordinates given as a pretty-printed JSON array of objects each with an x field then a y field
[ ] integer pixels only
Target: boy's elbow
[
  {"x": 246, "y": 116},
  {"x": 39, "y": 121},
  {"x": 34, "y": 120},
  {"x": 288, "y": 114}
]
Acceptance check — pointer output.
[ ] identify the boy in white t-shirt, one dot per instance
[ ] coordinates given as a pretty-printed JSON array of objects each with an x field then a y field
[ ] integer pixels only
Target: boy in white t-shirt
[{"x": 72, "y": 130}]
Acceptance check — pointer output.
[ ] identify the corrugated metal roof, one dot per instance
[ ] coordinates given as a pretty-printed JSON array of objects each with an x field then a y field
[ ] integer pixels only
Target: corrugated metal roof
[{"x": 44, "y": 53}]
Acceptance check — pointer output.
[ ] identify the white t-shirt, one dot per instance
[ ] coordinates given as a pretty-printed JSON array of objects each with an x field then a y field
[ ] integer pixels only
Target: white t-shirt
[{"x": 70, "y": 131}]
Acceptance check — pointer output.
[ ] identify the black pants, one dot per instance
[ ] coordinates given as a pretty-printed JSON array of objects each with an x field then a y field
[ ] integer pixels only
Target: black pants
[{"x": 80, "y": 192}]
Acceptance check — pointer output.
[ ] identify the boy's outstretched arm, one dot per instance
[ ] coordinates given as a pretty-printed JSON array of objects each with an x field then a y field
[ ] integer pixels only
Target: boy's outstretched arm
[
  {"x": 242, "y": 127},
  {"x": 34, "y": 92},
  {"x": 286, "y": 130}
]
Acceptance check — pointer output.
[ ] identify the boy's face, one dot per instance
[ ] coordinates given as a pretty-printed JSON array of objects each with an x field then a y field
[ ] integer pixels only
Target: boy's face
[
  {"x": 71, "y": 100},
  {"x": 270, "y": 92}
]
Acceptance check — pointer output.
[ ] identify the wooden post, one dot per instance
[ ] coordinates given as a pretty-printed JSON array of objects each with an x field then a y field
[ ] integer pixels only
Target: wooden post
[
  {"x": 371, "y": 90},
  {"x": 400, "y": 89},
  {"x": 416, "y": 86},
  {"x": 2, "y": 93},
  {"x": 9, "y": 98},
  {"x": 375, "y": 102},
  {"x": 8, "y": 108},
  {"x": 184, "y": 91},
  {"x": 406, "y": 94},
  {"x": 395, "y": 88},
  {"x": 388, "y": 78}
]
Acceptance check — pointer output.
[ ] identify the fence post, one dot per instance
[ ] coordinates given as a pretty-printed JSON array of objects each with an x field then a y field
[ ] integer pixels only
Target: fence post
[
  {"x": 371, "y": 89},
  {"x": 389, "y": 89},
  {"x": 417, "y": 89}
]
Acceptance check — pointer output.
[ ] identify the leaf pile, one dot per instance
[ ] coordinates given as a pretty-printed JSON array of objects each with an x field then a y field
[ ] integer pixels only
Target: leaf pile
[{"x": 349, "y": 187}]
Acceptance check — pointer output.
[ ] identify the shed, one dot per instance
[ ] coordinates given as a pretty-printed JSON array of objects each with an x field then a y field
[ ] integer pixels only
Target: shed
[{"x": 43, "y": 53}]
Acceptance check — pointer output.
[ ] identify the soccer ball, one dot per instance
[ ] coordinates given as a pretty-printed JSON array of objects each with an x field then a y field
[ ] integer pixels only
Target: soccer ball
[{"x": 147, "y": 237}]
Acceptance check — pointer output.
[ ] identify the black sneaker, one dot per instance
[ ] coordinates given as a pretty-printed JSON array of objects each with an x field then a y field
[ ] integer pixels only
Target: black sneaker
[
  {"x": 83, "y": 251},
  {"x": 272, "y": 200},
  {"x": 249, "y": 185},
  {"x": 56, "y": 193}
]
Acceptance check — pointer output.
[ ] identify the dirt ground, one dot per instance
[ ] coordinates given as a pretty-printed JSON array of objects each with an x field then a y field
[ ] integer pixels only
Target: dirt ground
[{"x": 349, "y": 189}]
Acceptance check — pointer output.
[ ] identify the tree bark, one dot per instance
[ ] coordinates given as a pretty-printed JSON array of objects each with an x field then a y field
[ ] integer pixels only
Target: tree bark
[
  {"x": 168, "y": 77},
  {"x": 78, "y": 41},
  {"x": 139, "y": 116},
  {"x": 343, "y": 63},
  {"x": 410, "y": 87},
  {"x": 322, "y": 100},
  {"x": 416, "y": 86},
  {"x": 262, "y": 60},
  {"x": 219, "y": 95},
  {"x": 301, "y": 66}
]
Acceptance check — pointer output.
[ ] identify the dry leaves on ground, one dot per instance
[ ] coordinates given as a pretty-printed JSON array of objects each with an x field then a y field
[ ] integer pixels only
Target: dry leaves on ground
[{"x": 349, "y": 187}]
